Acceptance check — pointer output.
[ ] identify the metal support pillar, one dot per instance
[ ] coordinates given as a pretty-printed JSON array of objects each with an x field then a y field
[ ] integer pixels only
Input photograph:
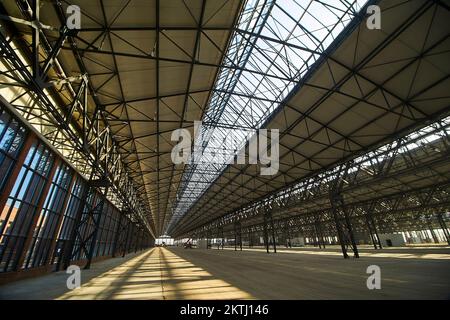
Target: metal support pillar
[
  {"x": 218, "y": 237},
  {"x": 240, "y": 236},
  {"x": 316, "y": 237},
  {"x": 345, "y": 233},
  {"x": 127, "y": 239},
  {"x": 444, "y": 227},
  {"x": 70, "y": 244},
  {"x": 288, "y": 235},
  {"x": 265, "y": 234},
  {"x": 372, "y": 227},
  {"x": 318, "y": 231},
  {"x": 35, "y": 41},
  {"x": 339, "y": 232},
  {"x": 117, "y": 235},
  {"x": 433, "y": 234},
  {"x": 210, "y": 237},
  {"x": 340, "y": 213},
  {"x": 96, "y": 213},
  {"x": 235, "y": 237},
  {"x": 372, "y": 237},
  {"x": 350, "y": 232},
  {"x": 60, "y": 220},
  {"x": 273, "y": 233}
]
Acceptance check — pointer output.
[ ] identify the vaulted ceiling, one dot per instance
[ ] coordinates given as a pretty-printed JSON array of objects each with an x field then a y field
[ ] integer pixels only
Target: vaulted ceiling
[{"x": 311, "y": 69}]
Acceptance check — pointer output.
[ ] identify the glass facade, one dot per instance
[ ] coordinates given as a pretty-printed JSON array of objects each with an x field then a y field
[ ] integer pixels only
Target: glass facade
[
  {"x": 12, "y": 136},
  {"x": 69, "y": 220},
  {"x": 49, "y": 217},
  {"x": 42, "y": 219},
  {"x": 21, "y": 208}
]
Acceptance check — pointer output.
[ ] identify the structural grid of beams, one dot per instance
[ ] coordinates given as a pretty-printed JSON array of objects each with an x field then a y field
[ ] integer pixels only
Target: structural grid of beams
[
  {"x": 274, "y": 45},
  {"x": 352, "y": 113},
  {"x": 401, "y": 186},
  {"x": 153, "y": 72},
  {"x": 108, "y": 97},
  {"x": 64, "y": 108},
  {"x": 148, "y": 71}
]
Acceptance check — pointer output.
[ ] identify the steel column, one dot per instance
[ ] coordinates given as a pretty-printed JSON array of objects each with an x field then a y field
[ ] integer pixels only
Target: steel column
[{"x": 444, "y": 227}]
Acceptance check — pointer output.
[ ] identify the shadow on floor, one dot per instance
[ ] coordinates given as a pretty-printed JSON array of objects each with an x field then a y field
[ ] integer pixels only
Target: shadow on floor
[
  {"x": 176, "y": 273},
  {"x": 53, "y": 285},
  {"x": 298, "y": 275},
  {"x": 159, "y": 274}
]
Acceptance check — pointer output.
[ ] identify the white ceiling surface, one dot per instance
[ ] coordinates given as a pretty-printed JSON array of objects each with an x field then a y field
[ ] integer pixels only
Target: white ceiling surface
[{"x": 375, "y": 84}]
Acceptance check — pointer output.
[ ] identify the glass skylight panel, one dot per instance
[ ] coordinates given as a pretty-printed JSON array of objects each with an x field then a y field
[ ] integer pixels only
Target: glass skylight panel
[{"x": 274, "y": 44}]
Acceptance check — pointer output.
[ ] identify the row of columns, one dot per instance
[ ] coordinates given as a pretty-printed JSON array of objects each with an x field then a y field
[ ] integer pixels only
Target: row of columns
[{"x": 345, "y": 234}]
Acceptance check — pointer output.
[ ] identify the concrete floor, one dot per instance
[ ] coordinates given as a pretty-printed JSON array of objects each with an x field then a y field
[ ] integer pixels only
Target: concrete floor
[{"x": 298, "y": 273}]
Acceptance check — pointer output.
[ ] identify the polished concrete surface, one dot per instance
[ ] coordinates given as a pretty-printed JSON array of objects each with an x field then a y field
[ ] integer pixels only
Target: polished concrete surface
[{"x": 297, "y": 273}]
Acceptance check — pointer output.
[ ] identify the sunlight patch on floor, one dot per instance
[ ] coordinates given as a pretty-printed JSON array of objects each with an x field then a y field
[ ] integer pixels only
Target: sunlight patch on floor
[
  {"x": 157, "y": 274},
  {"x": 385, "y": 254}
]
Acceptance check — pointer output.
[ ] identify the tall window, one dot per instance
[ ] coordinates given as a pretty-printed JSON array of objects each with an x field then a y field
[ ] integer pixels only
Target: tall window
[
  {"x": 107, "y": 230},
  {"x": 49, "y": 218},
  {"x": 21, "y": 207},
  {"x": 12, "y": 136},
  {"x": 112, "y": 230}
]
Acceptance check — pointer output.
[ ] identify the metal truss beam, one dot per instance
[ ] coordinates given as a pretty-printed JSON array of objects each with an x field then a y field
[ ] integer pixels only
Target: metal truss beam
[
  {"x": 83, "y": 136},
  {"x": 377, "y": 198}
]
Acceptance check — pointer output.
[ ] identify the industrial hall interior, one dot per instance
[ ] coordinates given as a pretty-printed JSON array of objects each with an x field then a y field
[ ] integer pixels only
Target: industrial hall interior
[{"x": 224, "y": 149}]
